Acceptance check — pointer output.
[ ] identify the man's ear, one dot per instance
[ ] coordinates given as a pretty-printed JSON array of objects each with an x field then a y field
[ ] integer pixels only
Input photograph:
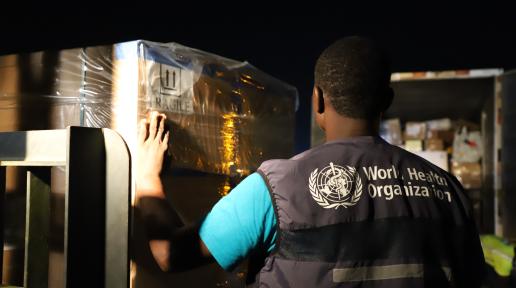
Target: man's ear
[
  {"x": 318, "y": 107},
  {"x": 320, "y": 99}
]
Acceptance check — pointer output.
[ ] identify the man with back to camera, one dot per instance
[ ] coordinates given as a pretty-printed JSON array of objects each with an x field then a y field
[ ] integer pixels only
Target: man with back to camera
[{"x": 353, "y": 212}]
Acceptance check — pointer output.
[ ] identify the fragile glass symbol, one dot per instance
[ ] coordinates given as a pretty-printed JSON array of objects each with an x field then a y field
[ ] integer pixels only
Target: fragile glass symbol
[
  {"x": 169, "y": 77},
  {"x": 173, "y": 79}
]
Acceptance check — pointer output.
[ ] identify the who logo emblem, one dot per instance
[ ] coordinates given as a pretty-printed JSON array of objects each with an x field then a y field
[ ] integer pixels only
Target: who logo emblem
[{"x": 335, "y": 186}]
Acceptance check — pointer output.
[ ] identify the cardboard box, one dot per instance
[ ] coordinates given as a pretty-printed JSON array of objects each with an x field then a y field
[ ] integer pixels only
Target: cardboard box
[
  {"x": 469, "y": 174},
  {"x": 438, "y": 158},
  {"x": 12, "y": 268},
  {"x": 446, "y": 136},
  {"x": 415, "y": 131},
  {"x": 226, "y": 116},
  {"x": 434, "y": 144},
  {"x": 414, "y": 145},
  {"x": 439, "y": 124}
]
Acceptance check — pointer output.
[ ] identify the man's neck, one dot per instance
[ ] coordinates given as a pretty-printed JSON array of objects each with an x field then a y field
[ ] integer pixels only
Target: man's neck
[{"x": 343, "y": 128}]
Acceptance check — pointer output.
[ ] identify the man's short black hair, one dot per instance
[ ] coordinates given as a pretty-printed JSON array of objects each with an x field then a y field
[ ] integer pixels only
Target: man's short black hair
[{"x": 354, "y": 73}]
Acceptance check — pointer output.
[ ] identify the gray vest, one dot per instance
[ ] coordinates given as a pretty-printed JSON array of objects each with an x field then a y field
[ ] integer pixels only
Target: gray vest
[{"x": 363, "y": 213}]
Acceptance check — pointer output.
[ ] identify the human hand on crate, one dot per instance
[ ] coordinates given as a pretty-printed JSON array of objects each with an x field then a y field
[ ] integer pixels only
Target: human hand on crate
[{"x": 152, "y": 145}]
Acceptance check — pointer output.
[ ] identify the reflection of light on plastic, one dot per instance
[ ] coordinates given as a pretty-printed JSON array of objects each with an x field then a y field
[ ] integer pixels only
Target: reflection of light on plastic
[
  {"x": 229, "y": 141},
  {"x": 125, "y": 100},
  {"x": 124, "y": 114},
  {"x": 224, "y": 189},
  {"x": 132, "y": 275},
  {"x": 247, "y": 79}
]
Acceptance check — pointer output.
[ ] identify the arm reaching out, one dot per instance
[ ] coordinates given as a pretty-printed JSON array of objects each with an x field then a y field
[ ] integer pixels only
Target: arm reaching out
[
  {"x": 173, "y": 245},
  {"x": 152, "y": 145}
]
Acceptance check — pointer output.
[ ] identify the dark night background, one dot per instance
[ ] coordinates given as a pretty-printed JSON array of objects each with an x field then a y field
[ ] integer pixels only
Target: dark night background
[{"x": 283, "y": 41}]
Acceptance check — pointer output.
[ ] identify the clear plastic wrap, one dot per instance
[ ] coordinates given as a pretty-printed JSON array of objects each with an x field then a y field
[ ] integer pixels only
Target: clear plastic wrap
[
  {"x": 226, "y": 116},
  {"x": 467, "y": 146}
]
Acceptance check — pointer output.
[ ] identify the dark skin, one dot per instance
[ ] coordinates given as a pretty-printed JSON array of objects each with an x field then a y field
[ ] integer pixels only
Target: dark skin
[
  {"x": 152, "y": 147},
  {"x": 337, "y": 126}
]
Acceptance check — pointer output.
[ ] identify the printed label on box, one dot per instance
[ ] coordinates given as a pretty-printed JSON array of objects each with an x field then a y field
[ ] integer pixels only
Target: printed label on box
[
  {"x": 170, "y": 88},
  {"x": 169, "y": 80}
]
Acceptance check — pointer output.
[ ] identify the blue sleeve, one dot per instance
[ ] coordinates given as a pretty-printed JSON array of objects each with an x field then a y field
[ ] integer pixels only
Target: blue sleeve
[{"x": 240, "y": 222}]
